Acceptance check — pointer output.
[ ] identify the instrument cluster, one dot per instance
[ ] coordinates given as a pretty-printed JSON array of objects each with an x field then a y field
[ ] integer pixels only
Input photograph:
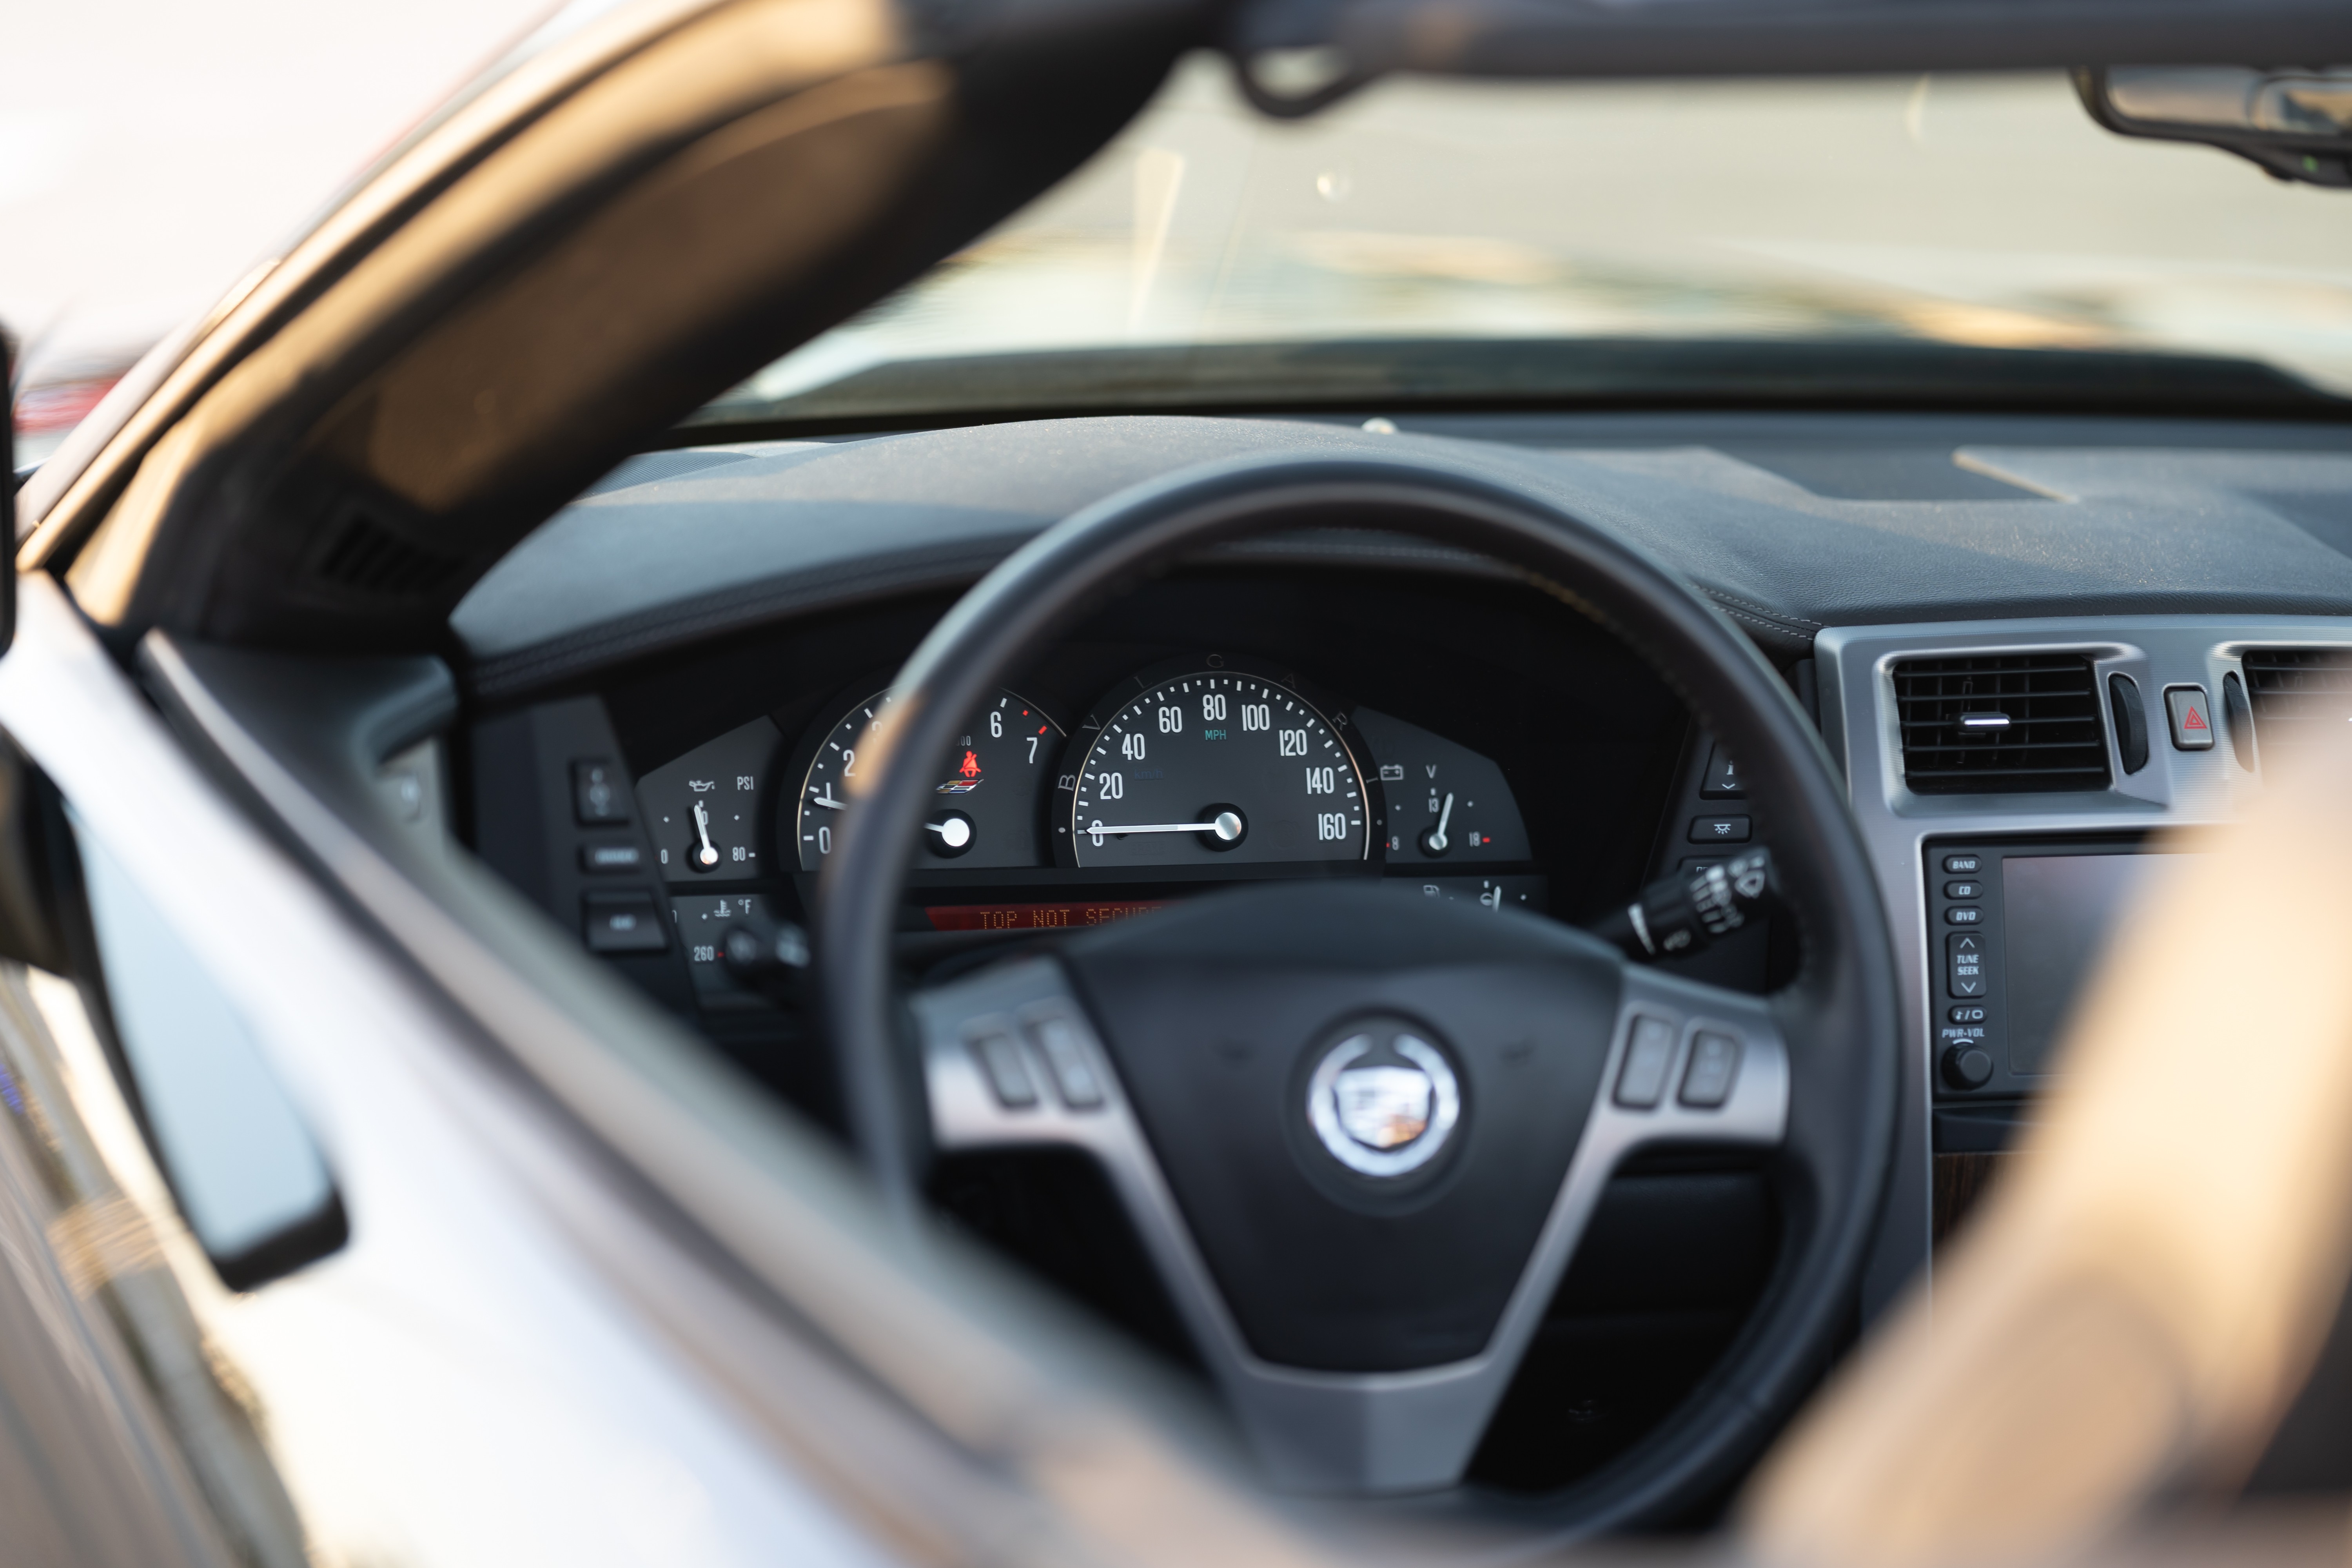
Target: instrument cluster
[{"x": 1201, "y": 768}]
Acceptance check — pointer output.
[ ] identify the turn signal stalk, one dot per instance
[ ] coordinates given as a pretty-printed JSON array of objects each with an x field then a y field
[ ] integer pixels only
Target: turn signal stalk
[{"x": 1690, "y": 911}]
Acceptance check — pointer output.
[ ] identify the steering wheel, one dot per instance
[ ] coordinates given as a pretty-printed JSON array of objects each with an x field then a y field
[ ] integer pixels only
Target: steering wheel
[{"x": 1362, "y": 1305}]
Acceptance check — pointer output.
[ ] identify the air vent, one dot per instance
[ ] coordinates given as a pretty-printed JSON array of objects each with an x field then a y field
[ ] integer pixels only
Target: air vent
[
  {"x": 364, "y": 555},
  {"x": 2293, "y": 692},
  {"x": 2009, "y": 724}
]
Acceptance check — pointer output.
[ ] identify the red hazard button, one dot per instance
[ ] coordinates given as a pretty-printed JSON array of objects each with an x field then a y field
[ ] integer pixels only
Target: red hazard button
[{"x": 2191, "y": 715}]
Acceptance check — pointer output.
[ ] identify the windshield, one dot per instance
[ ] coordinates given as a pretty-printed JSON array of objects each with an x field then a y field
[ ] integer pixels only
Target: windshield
[{"x": 1465, "y": 229}]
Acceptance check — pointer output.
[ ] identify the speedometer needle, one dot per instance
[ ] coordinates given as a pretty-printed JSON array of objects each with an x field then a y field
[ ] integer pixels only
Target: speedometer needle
[{"x": 1227, "y": 827}]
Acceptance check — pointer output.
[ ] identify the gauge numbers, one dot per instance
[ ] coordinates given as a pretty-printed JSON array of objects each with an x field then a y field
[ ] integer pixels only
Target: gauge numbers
[
  {"x": 987, "y": 799},
  {"x": 1216, "y": 767}
]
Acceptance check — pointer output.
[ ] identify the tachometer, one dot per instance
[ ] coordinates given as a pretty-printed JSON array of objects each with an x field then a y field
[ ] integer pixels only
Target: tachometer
[
  {"x": 1213, "y": 767},
  {"x": 987, "y": 801}
]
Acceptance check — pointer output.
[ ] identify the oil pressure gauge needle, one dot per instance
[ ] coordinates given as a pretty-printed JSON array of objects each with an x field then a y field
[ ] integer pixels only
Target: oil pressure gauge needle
[{"x": 706, "y": 853}]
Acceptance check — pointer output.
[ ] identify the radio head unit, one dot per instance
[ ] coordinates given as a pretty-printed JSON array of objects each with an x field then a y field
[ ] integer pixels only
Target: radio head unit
[{"x": 2016, "y": 929}]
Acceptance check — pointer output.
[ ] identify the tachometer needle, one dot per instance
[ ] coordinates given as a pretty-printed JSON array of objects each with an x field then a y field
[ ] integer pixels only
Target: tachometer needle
[
  {"x": 1227, "y": 826},
  {"x": 706, "y": 853}
]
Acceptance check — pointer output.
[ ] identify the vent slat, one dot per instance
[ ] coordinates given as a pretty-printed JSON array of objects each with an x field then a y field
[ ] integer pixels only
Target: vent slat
[
  {"x": 2293, "y": 691},
  {"x": 2056, "y": 739}
]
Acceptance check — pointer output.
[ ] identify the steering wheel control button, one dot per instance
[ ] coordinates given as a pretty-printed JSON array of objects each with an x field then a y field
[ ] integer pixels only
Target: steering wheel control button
[
  {"x": 622, "y": 922},
  {"x": 999, "y": 1055},
  {"x": 610, "y": 858},
  {"x": 1719, "y": 830},
  {"x": 1383, "y": 1101},
  {"x": 1649, "y": 1052},
  {"x": 1965, "y": 1014},
  {"x": 1723, "y": 781},
  {"x": 1963, "y": 865},
  {"x": 597, "y": 796},
  {"x": 1964, "y": 889},
  {"x": 1714, "y": 1064},
  {"x": 1058, "y": 1040},
  {"x": 1964, "y": 964},
  {"x": 1964, "y": 915},
  {"x": 2191, "y": 715},
  {"x": 1967, "y": 1066}
]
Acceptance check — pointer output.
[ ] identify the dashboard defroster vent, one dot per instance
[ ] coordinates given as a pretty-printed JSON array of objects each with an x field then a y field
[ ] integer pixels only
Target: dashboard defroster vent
[
  {"x": 2000, "y": 724},
  {"x": 2294, "y": 692},
  {"x": 362, "y": 555}
]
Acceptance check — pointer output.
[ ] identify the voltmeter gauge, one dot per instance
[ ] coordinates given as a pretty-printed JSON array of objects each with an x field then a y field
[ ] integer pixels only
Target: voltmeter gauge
[
  {"x": 988, "y": 803},
  {"x": 1214, "y": 766}
]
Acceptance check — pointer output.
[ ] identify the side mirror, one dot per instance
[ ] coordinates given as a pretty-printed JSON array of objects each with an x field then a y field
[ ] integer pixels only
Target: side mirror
[{"x": 2295, "y": 123}]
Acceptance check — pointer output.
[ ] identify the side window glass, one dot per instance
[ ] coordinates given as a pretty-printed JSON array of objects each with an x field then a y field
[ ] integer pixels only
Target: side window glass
[{"x": 248, "y": 1177}]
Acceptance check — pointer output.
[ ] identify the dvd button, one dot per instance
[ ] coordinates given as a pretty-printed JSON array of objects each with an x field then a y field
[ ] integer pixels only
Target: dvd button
[{"x": 1964, "y": 915}]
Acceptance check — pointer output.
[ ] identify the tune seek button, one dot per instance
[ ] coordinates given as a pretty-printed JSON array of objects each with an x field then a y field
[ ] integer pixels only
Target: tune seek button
[{"x": 1964, "y": 964}]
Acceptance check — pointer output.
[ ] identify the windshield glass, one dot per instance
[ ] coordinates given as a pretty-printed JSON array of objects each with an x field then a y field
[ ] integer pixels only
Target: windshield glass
[{"x": 1213, "y": 254}]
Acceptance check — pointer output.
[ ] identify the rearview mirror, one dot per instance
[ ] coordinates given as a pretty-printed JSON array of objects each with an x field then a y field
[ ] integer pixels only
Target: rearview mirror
[{"x": 2295, "y": 123}]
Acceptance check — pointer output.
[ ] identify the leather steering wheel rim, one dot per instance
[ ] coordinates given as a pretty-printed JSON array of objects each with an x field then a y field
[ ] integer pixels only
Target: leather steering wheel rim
[{"x": 1840, "y": 1013}]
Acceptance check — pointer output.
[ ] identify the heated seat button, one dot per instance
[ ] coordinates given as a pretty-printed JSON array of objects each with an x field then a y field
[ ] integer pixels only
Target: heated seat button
[
  {"x": 1719, "y": 830},
  {"x": 1714, "y": 1063},
  {"x": 2191, "y": 715},
  {"x": 622, "y": 922},
  {"x": 1648, "y": 1055},
  {"x": 1964, "y": 964}
]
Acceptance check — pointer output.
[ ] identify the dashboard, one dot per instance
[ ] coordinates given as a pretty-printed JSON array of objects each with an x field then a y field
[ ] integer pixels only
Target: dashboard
[{"x": 2003, "y": 625}]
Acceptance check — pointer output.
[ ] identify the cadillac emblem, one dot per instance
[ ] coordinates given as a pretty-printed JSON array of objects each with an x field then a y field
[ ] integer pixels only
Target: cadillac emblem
[{"x": 1383, "y": 1100}]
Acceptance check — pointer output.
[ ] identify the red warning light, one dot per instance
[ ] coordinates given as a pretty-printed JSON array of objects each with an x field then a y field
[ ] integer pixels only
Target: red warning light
[
  {"x": 971, "y": 768},
  {"x": 2195, "y": 720}
]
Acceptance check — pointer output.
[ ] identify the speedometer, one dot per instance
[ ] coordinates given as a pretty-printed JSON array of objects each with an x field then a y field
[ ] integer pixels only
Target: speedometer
[{"x": 1214, "y": 766}]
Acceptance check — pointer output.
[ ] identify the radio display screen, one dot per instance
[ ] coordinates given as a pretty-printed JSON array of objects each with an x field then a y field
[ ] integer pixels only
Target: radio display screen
[{"x": 2058, "y": 911}]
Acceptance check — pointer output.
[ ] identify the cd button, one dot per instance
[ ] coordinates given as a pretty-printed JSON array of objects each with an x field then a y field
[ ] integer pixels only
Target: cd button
[{"x": 1964, "y": 889}]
